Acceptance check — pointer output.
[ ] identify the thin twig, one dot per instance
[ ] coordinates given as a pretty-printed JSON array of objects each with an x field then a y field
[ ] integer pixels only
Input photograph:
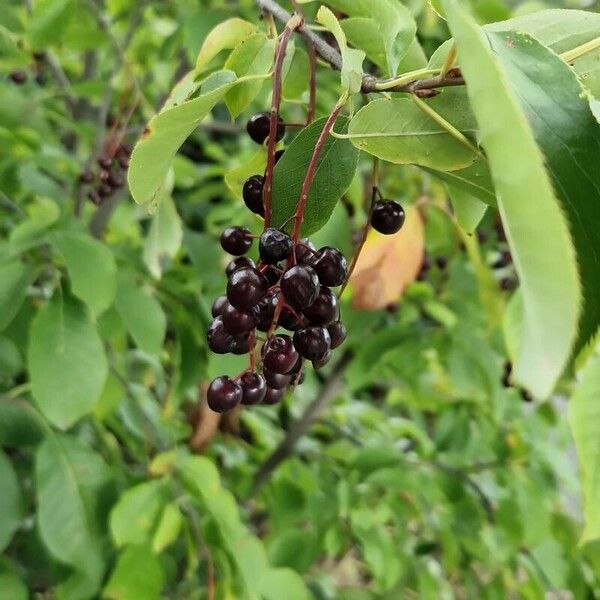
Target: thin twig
[
  {"x": 328, "y": 393},
  {"x": 334, "y": 58}
]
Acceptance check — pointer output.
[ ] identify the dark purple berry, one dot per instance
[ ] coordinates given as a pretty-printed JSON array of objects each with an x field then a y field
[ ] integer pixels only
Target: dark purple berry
[
  {"x": 254, "y": 388},
  {"x": 240, "y": 345},
  {"x": 387, "y": 217},
  {"x": 325, "y": 309},
  {"x": 103, "y": 175},
  {"x": 441, "y": 263},
  {"x": 104, "y": 190},
  {"x": 223, "y": 394},
  {"x": 237, "y": 322},
  {"x": 258, "y": 127},
  {"x": 273, "y": 274},
  {"x": 273, "y": 396},
  {"x": 19, "y": 77},
  {"x": 265, "y": 311},
  {"x": 278, "y": 155},
  {"x": 321, "y": 361},
  {"x": 312, "y": 342},
  {"x": 116, "y": 180},
  {"x": 218, "y": 306},
  {"x": 305, "y": 252},
  {"x": 300, "y": 286},
  {"x": 274, "y": 246},
  {"x": 238, "y": 263},
  {"x": 246, "y": 288},
  {"x": 236, "y": 240},
  {"x": 253, "y": 194},
  {"x": 219, "y": 341},
  {"x": 105, "y": 162},
  {"x": 41, "y": 79},
  {"x": 279, "y": 354},
  {"x": 124, "y": 162},
  {"x": 276, "y": 381},
  {"x": 508, "y": 283},
  {"x": 86, "y": 176},
  {"x": 290, "y": 321},
  {"x": 331, "y": 266},
  {"x": 337, "y": 333}
]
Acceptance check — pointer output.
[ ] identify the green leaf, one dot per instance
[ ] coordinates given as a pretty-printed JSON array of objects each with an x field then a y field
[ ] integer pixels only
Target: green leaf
[
  {"x": 19, "y": 424},
  {"x": 468, "y": 210},
  {"x": 549, "y": 281},
  {"x": 334, "y": 174},
  {"x": 475, "y": 180},
  {"x": 49, "y": 19},
  {"x": 66, "y": 359},
  {"x": 11, "y": 502},
  {"x": 352, "y": 59},
  {"x": 138, "y": 575},
  {"x": 283, "y": 583},
  {"x": 134, "y": 518},
  {"x": 168, "y": 528},
  {"x": 63, "y": 469},
  {"x": 15, "y": 277},
  {"x": 584, "y": 418},
  {"x": 12, "y": 588},
  {"x": 254, "y": 56},
  {"x": 91, "y": 266},
  {"x": 153, "y": 154},
  {"x": 164, "y": 237},
  {"x": 41, "y": 215},
  {"x": 249, "y": 165},
  {"x": 569, "y": 137},
  {"x": 225, "y": 36},
  {"x": 142, "y": 315},
  {"x": 398, "y": 131}
]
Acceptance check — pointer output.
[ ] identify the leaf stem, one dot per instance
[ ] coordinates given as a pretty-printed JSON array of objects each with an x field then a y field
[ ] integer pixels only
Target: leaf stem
[
  {"x": 446, "y": 125},
  {"x": 579, "y": 51},
  {"x": 312, "y": 166},
  {"x": 294, "y": 22}
]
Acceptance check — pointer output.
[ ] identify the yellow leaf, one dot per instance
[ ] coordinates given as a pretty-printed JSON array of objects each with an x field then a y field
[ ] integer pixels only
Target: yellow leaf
[{"x": 388, "y": 264}]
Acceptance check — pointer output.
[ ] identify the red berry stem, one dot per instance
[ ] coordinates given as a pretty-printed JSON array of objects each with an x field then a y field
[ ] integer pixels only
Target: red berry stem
[
  {"x": 292, "y": 24},
  {"x": 365, "y": 232},
  {"x": 312, "y": 170}
]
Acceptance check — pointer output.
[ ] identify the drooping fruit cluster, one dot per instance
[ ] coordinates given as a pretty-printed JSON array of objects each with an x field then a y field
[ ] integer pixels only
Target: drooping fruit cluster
[
  {"x": 288, "y": 289},
  {"x": 108, "y": 177}
]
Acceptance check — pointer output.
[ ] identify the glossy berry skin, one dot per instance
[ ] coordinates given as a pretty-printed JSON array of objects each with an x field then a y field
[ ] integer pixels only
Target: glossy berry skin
[
  {"x": 258, "y": 127},
  {"x": 274, "y": 246},
  {"x": 273, "y": 396},
  {"x": 105, "y": 162},
  {"x": 290, "y": 321},
  {"x": 238, "y": 263},
  {"x": 253, "y": 194},
  {"x": 246, "y": 288},
  {"x": 331, "y": 266},
  {"x": 254, "y": 388},
  {"x": 337, "y": 334},
  {"x": 223, "y": 394},
  {"x": 265, "y": 311},
  {"x": 19, "y": 77},
  {"x": 388, "y": 217},
  {"x": 322, "y": 360},
  {"x": 218, "y": 306},
  {"x": 276, "y": 381},
  {"x": 272, "y": 273},
  {"x": 279, "y": 354},
  {"x": 240, "y": 345},
  {"x": 86, "y": 176},
  {"x": 236, "y": 240},
  {"x": 237, "y": 322},
  {"x": 300, "y": 286},
  {"x": 312, "y": 342},
  {"x": 325, "y": 309},
  {"x": 219, "y": 341},
  {"x": 305, "y": 252}
]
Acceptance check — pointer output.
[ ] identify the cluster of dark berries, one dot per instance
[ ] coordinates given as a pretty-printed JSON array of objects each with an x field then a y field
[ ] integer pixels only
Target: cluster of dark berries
[
  {"x": 290, "y": 289},
  {"x": 20, "y": 76},
  {"x": 108, "y": 177}
]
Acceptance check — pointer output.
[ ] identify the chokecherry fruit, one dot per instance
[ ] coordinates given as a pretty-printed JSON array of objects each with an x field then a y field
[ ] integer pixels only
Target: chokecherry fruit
[
  {"x": 300, "y": 286},
  {"x": 237, "y": 322},
  {"x": 388, "y": 217},
  {"x": 279, "y": 354},
  {"x": 305, "y": 252},
  {"x": 322, "y": 360},
  {"x": 223, "y": 394},
  {"x": 273, "y": 395},
  {"x": 218, "y": 306},
  {"x": 219, "y": 341},
  {"x": 240, "y": 345},
  {"x": 246, "y": 288},
  {"x": 19, "y": 77},
  {"x": 258, "y": 127},
  {"x": 331, "y": 266},
  {"x": 276, "y": 381},
  {"x": 237, "y": 263},
  {"x": 337, "y": 334},
  {"x": 274, "y": 245},
  {"x": 253, "y": 194},
  {"x": 265, "y": 311},
  {"x": 325, "y": 309},
  {"x": 254, "y": 388},
  {"x": 290, "y": 320},
  {"x": 236, "y": 240},
  {"x": 312, "y": 342}
]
